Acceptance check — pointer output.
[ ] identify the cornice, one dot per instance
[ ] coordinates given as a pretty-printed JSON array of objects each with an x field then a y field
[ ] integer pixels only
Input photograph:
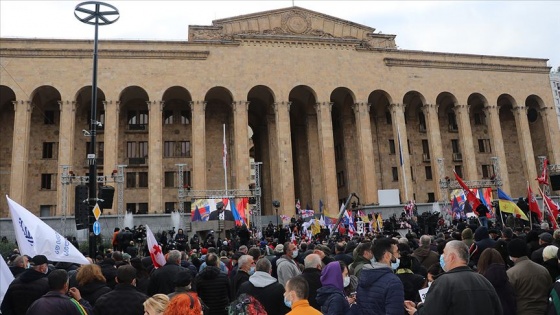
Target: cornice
[
  {"x": 455, "y": 65},
  {"x": 104, "y": 54}
]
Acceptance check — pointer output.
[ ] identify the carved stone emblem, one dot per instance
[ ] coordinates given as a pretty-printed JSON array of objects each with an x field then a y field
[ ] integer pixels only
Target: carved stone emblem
[{"x": 296, "y": 22}]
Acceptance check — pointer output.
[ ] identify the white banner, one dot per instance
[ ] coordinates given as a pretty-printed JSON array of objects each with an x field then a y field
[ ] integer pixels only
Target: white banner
[
  {"x": 6, "y": 278},
  {"x": 35, "y": 237}
]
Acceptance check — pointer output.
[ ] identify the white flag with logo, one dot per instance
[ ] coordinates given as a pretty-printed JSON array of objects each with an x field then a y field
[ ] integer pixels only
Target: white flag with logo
[
  {"x": 6, "y": 278},
  {"x": 155, "y": 250},
  {"x": 35, "y": 237}
]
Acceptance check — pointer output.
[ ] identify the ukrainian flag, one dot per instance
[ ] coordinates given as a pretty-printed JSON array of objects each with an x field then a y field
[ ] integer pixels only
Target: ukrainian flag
[{"x": 507, "y": 205}]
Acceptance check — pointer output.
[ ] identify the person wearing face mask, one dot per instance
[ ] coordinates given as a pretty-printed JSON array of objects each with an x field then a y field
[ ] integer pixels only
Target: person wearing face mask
[
  {"x": 296, "y": 295},
  {"x": 380, "y": 291},
  {"x": 331, "y": 295},
  {"x": 245, "y": 270},
  {"x": 287, "y": 267},
  {"x": 459, "y": 290},
  {"x": 27, "y": 288},
  {"x": 350, "y": 283}
]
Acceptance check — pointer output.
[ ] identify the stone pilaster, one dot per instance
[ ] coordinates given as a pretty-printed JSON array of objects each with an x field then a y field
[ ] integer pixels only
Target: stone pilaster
[
  {"x": 466, "y": 141},
  {"x": 285, "y": 162},
  {"x": 434, "y": 141},
  {"x": 552, "y": 133},
  {"x": 111, "y": 138},
  {"x": 495, "y": 131},
  {"x": 368, "y": 182},
  {"x": 65, "y": 156},
  {"x": 399, "y": 131},
  {"x": 198, "y": 109},
  {"x": 241, "y": 142},
  {"x": 20, "y": 151},
  {"x": 155, "y": 156},
  {"x": 525, "y": 145},
  {"x": 326, "y": 149}
]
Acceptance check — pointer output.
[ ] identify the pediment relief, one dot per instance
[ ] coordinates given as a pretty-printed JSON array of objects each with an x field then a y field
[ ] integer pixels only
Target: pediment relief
[{"x": 293, "y": 22}]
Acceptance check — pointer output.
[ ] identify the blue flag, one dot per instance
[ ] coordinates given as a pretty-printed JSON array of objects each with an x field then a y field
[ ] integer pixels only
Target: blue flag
[{"x": 196, "y": 216}]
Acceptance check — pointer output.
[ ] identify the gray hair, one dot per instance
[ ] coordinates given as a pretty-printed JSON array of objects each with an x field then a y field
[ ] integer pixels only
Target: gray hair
[
  {"x": 244, "y": 260},
  {"x": 243, "y": 249},
  {"x": 174, "y": 256},
  {"x": 460, "y": 249},
  {"x": 264, "y": 265},
  {"x": 425, "y": 240},
  {"x": 312, "y": 261}
]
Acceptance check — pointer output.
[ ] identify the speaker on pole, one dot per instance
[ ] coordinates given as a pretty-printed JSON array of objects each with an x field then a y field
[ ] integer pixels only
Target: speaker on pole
[
  {"x": 106, "y": 194},
  {"x": 555, "y": 182},
  {"x": 81, "y": 208}
]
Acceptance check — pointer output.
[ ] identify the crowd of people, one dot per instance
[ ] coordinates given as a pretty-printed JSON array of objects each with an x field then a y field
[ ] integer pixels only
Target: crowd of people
[{"x": 464, "y": 269}]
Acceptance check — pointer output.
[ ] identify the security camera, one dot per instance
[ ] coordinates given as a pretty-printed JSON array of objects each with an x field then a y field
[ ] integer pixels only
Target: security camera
[{"x": 86, "y": 133}]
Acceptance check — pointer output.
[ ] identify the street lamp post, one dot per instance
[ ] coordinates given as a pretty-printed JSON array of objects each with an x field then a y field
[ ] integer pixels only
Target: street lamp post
[
  {"x": 94, "y": 13},
  {"x": 276, "y": 205}
]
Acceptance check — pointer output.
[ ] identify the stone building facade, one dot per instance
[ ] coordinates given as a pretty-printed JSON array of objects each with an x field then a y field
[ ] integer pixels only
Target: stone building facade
[{"x": 328, "y": 103}]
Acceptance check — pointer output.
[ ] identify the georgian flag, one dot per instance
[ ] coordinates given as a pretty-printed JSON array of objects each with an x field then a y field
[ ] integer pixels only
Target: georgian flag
[
  {"x": 35, "y": 237},
  {"x": 155, "y": 250},
  {"x": 6, "y": 278}
]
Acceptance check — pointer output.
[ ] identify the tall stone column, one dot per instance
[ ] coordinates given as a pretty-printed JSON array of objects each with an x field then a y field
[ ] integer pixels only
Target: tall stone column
[
  {"x": 326, "y": 149},
  {"x": 241, "y": 134},
  {"x": 198, "y": 119},
  {"x": 552, "y": 133},
  {"x": 525, "y": 145},
  {"x": 65, "y": 156},
  {"x": 399, "y": 131},
  {"x": 111, "y": 137},
  {"x": 368, "y": 182},
  {"x": 20, "y": 151},
  {"x": 497, "y": 142},
  {"x": 466, "y": 140},
  {"x": 285, "y": 162},
  {"x": 155, "y": 155},
  {"x": 434, "y": 142}
]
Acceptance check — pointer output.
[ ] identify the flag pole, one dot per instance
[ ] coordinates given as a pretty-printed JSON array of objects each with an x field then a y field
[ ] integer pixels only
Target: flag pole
[
  {"x": 530, "y": 216},
  {"x": 401, "y": 158},
  {"x": 224, "y": 157}
]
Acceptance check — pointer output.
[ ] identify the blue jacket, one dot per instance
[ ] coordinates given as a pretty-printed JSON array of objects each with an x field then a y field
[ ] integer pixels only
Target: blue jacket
[
  {"x": 379, "y": 291},
  {"x": 332, "y": 301}
]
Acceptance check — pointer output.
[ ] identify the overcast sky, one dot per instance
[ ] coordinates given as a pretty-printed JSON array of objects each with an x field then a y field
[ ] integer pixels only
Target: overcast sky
[{"x": 504, "y": 28}]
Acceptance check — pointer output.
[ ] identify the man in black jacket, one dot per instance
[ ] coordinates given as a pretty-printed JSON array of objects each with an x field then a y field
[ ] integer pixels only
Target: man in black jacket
[
  {"x": 212, "y": 286},
  {"x": 56, "y": 301},
  {"x": 27, "y": 288},
  {"x": 246, "y": 268},
  {"x": 161, "y": 280},
  {"x": 312, "y": 273},
  {"x": 265, "y": 289},
  {"x": 124, "y": 299}
]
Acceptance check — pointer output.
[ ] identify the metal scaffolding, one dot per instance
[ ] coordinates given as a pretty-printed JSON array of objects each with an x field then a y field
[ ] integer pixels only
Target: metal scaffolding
[{"x": 68, "y": 178}]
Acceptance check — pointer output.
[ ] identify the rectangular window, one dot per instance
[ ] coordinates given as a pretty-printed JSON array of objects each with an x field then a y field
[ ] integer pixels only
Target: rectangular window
[
  {"x": 168, "y": 117},
  {"x": 143, "y": 208},
  {"x": 47, "y": 181},
  {"x": 169, "y": 207},
  {"x": 340, "y": 179},
  {"x": 455, "y": 146},
  {"x": 143, "y": 149},
  {"x": 479, "y": 119},
  {"x": 49, "y": 117},
  {"x": 168, "y": 148},
  {"x": 411, "y": 173},
  {"x": 425, "y": 147},
  {"x": 143, "y": 117},
  {"x": 45, "y": 210},
  {"x": 131, "y": 149},
  {"x": 185, "y": 117},
  {"x": 431, "y": 197},
  {"x": 169, "y": 179},
  {"x": 49, "y": 150},
  {"x": 187, "y": 178},
  {"x": 487, "y": 171},
  {"x": 143, "y": 179},
  {"x": 459, "y": 170},
  {"x": 409, "y": 147},
  {"x": 484, "y": 146},
  {"x": 395, "y": 174},
  {"x": 428, "y": 172},
  {"x": 187, "y": 207},
  {"x": 391, "y": 146},
  {"x": 452, "y": 122},
  {"x": 131, "y": 208},
  {"x": 422, "y": 122},
  {"x": 388, "y": 118},
  {"x": 131, "y": 180},
  {"x": 185, "y": 148}
]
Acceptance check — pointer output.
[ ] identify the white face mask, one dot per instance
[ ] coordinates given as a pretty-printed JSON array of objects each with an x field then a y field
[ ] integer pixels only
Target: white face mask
[
  {"x": 346, "y": 281},
  {"x": 294, "y": 253}
]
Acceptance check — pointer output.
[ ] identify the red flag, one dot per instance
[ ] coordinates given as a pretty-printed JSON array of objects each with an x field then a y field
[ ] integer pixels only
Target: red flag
[
  {"x": 552, "y": 207},
  {"x": 533, "y": 205},
  {"x": 542, "y": 179},
  {"x": 471, "y": 197},
  {"x": 155, "y": 250}
]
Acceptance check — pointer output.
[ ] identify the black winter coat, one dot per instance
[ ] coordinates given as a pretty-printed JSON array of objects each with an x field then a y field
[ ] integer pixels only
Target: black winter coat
[
  {"x": 332, "y": 301},
  {"x": 162, "y": 279},
  {"x": 124, "y": 299},
  {"x": 212, "y": 286},
  {"x": 93, "y": 290},
  {"x": 23, "y": 291},
  {"x": 55, "y": 303},
  {"x": 240, "y": 278},
  {"x": 313, "y": 277},
  {"x": 496, "y": 274},
  {"x": 271, "y": 297}
]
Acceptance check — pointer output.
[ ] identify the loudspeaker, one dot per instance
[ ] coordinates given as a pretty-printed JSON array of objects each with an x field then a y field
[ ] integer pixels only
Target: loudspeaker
[
  {"x": 81, "y": 209},
  {"x": 106, "y": 194},
  {"x": 555, "y": 182}
]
